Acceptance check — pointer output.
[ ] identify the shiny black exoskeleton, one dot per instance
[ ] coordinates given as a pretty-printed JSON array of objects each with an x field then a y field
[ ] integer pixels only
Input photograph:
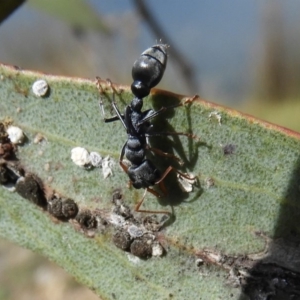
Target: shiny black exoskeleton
[{"x": 147, "y": 72}]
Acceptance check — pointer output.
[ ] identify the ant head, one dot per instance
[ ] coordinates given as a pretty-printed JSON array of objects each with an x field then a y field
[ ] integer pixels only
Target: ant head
[
  {"x": 139, "y": 89},
  {"x": 148, "y": 70}
]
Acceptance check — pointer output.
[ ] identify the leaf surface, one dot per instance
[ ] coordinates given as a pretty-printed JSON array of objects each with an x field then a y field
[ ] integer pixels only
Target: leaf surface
[{"x": 247, "y": 183}]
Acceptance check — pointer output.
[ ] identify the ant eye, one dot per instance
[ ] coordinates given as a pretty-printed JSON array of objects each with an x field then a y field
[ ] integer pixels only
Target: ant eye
[{"x": 139, "y": 89}]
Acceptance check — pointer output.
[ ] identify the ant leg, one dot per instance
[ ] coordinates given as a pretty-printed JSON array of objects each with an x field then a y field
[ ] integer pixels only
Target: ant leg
[
  {"x": 111, "y": 85},
  {"x": 114, "y": 105},
  {"x": 190, "y": 100},
  {"x": 99, "y": 86},
  {"x": 123, "y": 166},
  {"x": 137, "y": 207},
  {"x": 153, "y": 192},
  {"x": 168, "y": 170},
  {"x": 101, "y": 92},
  {"x": 189, "y": 135},
  {"x": 163, "y": 188},
  {"x": 118, "y": 115},
  {"x": 159, "y": 152},
  {"x": 152, "y": 114}
]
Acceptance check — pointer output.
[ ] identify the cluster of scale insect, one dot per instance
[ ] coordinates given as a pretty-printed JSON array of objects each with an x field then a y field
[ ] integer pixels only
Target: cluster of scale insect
[
  {"x": 30, "y": 187},
  {"x": 136, "y": 236}
]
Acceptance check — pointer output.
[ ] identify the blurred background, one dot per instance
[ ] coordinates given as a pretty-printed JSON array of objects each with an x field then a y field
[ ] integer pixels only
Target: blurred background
[{"x": 241, "y": 54}]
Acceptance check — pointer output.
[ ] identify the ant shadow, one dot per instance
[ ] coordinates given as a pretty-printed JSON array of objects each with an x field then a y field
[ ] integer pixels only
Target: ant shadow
[{"x": 173, "y": 145}]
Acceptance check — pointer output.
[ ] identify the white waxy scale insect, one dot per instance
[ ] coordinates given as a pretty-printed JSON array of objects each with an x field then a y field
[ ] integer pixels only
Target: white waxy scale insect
[
  {"x": 80, "y": 156},
  {"x": 40, "y": 88},
  {"x": 15, "y": 134}
]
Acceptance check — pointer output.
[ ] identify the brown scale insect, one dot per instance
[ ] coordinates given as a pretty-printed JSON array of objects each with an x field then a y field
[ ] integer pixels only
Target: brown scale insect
[
  {"x": 60, "y": 208},
  {"x": 31, "y": 188}
]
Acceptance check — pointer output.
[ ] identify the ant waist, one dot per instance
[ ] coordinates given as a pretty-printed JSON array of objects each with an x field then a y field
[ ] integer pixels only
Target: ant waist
[{"x": 136, "y": 141}]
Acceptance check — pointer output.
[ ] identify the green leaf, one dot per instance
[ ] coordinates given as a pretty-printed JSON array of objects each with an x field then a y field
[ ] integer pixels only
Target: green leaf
[{"x": 248, "y": 175}]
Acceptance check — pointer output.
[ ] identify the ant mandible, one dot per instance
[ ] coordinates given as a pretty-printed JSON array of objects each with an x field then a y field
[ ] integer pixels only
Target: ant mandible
[{"x": 147, "y": 72}]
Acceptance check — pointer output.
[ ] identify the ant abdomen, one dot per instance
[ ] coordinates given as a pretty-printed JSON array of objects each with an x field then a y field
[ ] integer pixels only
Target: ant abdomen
[
  {"x": 143, "y": 175},
  {"x": 148, "y": 70}
]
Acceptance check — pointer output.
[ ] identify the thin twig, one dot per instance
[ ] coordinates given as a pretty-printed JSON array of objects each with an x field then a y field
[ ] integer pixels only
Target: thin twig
[{"x": 7, "y": 7}]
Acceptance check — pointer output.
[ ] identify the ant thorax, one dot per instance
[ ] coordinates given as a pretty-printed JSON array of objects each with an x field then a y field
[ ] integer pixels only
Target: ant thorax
[{"x": 137, "y": 118}]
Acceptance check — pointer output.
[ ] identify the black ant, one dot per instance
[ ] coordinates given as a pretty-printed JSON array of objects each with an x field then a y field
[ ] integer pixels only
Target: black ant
[{"x": 147, "y": 72}]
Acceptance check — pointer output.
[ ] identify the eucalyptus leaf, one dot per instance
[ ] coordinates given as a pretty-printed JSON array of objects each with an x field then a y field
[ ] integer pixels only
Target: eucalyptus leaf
[{"x": 248, "y": 183}]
